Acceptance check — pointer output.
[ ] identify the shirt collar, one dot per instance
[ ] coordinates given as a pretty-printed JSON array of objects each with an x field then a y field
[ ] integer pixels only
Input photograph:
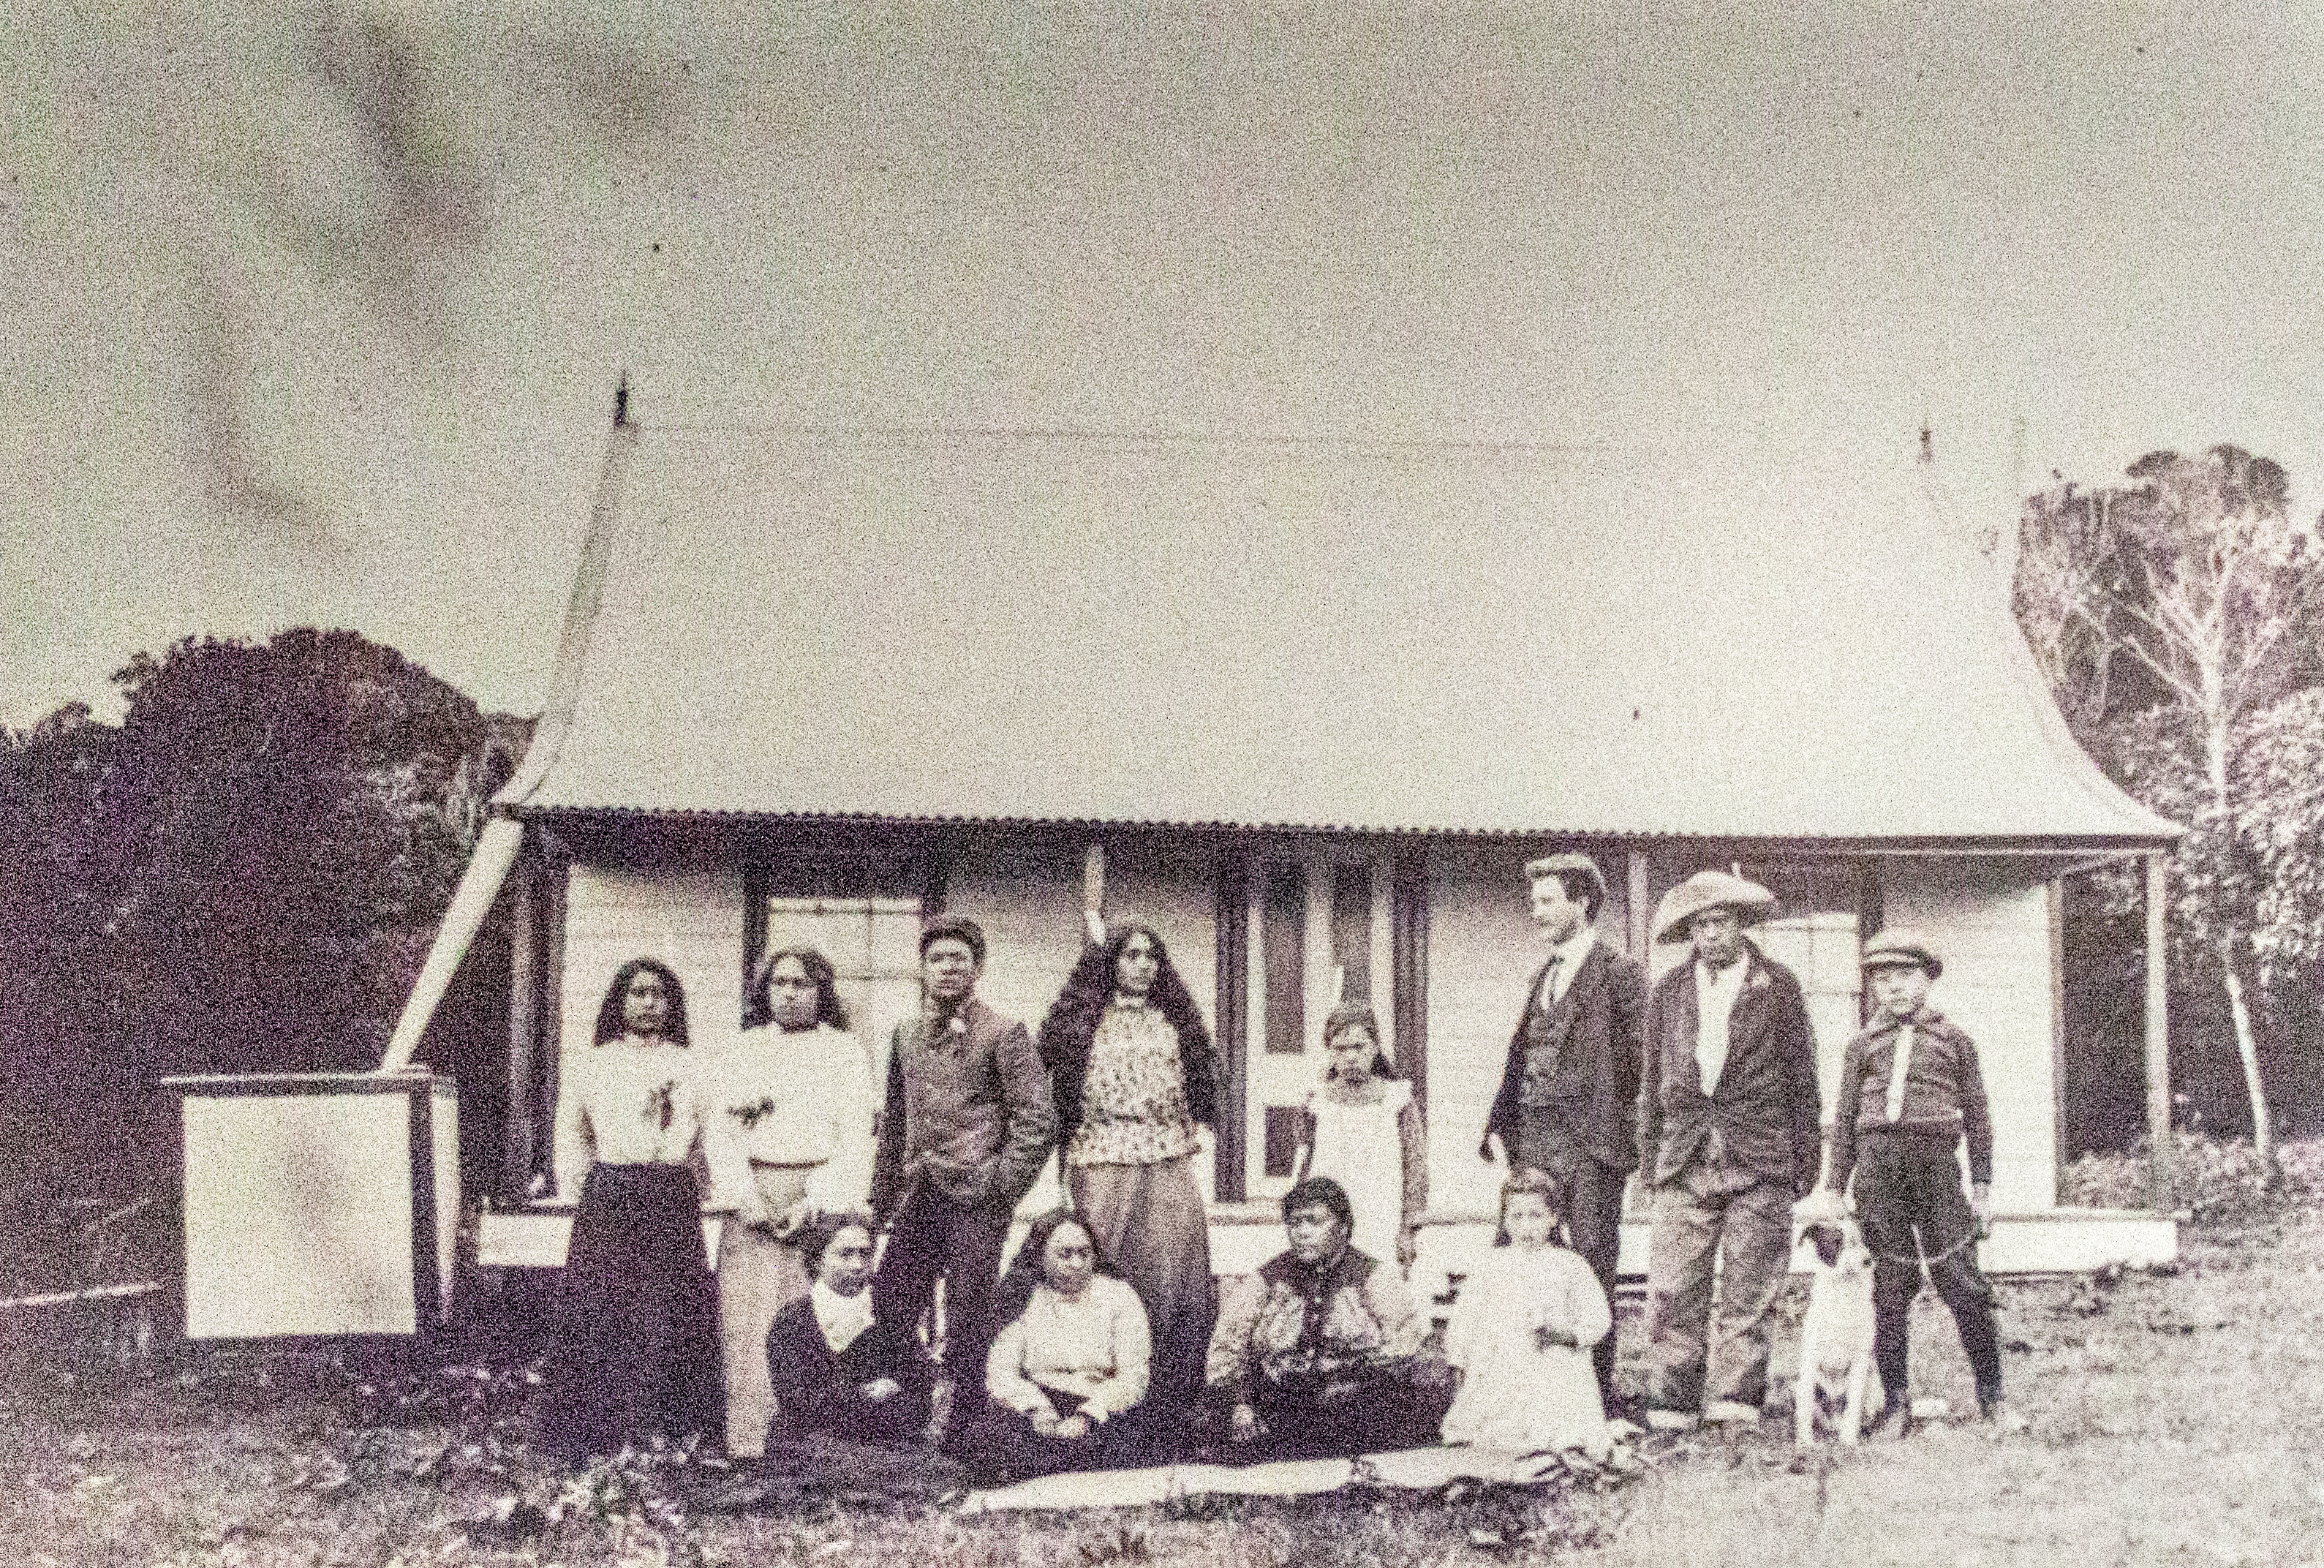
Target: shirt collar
[
  {"x": 842, "y": 1318},
  {"x": 1571, "y": 951},
  {"x": 1707, "y": 975}
]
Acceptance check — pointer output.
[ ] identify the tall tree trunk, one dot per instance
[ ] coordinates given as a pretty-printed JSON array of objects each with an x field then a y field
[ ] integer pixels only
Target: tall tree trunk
[
  {"x": 2247, "y": 1051},
  {"x": 2215, "y": 759}
]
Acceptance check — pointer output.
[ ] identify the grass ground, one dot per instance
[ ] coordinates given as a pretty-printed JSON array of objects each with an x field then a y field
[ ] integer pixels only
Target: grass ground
[{"x": 2174, "y": 1419}]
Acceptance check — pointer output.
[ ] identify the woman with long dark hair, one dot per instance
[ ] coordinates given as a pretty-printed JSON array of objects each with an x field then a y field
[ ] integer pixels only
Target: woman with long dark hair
[
  {"x": 637, "y": 1325},
  {"x": 794, "y": 1094},
  {"x": 1130, "y": 1063},
  {"x": 1068, "y": 1375}
]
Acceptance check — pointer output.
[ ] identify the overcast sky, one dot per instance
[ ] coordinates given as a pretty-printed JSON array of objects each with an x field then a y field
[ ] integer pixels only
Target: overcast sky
[{"x": 316, "y": 314}]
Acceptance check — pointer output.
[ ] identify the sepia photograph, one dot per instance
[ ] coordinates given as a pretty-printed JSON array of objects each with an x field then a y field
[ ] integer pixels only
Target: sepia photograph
[{"x": 1266, "y": 787}]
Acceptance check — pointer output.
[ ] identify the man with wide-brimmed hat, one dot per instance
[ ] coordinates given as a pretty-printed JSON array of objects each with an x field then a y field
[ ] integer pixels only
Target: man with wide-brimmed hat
[
  {"x": 1568, "y": 1101},
  {"x": 1729, "y": 1137},
  {"x": 1910, "y": 1097}
]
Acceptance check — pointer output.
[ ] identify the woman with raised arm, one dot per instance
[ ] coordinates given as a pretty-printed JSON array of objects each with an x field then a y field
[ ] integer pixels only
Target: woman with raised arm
[{"x": 1131, "y": 1064}]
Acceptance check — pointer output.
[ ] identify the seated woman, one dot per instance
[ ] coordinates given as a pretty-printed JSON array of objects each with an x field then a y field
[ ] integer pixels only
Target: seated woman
[
  {"x": 834, "y": 1372},
  {"x": 1067, "y": 1376},
  {"x": 1318, "y": 1353},
  {"x": 1521, "y": 1333}
]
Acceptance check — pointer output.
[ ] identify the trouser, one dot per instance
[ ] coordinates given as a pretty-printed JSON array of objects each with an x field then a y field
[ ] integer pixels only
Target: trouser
[
  {"x": 1708, "y": 1217},
  {"x": 932, "y": 1235},
  {"x": 1909, "y": 1201},
  {"x": 1594, "y": 1213}
]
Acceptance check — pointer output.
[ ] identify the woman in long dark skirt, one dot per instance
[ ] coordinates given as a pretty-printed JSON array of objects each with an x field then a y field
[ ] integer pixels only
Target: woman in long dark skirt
[{"x": 636, "y": 1355}]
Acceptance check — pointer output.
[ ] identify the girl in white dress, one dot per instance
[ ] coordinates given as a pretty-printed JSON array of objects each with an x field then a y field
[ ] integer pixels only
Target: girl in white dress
[
  {"x": 1362, "y": 1130},
  {"x": 1521, "y": 1333}
]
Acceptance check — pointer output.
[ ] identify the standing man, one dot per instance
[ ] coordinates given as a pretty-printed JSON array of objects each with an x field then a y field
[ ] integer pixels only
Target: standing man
[
  {"x": 1728, "y": 1132},
  {"x": 1568, "y": 1102},
  {"x": 968, "y": 1124}
]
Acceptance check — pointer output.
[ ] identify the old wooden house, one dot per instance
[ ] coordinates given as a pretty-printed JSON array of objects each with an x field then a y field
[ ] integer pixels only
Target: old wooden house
[{"x": 1311, "y": 705}]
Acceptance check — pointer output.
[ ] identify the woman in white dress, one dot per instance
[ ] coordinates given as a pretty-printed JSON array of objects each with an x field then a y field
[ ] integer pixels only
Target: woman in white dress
[
  {"x": 794, "y": 1094},
  {"x": 1521, "y": 1337},
  {"x": 1361, "y": 1129}
]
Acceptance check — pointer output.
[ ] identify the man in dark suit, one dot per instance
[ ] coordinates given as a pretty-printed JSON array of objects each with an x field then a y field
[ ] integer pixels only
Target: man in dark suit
[
  {"x": 1568, "y": 1102},
  {"x": 1729, "y": 1134},
  {"x": 968, "y": 1125}
]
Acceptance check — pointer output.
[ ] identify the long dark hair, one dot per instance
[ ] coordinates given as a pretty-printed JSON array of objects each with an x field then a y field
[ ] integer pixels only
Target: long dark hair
[
  {"x": 828, "y": 1008},
  {"x": 611, "y": 1026},
  {"x": 1072, "y": 1017},
  {"x": 1015, "y": 1291}
]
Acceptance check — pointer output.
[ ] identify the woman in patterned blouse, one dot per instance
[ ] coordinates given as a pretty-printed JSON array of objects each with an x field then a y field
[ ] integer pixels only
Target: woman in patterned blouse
[
  {"x": 1129, "y": 1061},
  {"x": 1318, "y": 1353}
]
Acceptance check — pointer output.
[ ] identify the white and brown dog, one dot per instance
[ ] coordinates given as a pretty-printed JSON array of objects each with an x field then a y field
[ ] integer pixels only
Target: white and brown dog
[{"x": 1836, "y": 1336}]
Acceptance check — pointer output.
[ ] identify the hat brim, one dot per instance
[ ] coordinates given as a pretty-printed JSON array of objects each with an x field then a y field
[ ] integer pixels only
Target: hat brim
[
  {"x": 1748, "y": 913},
  {"x": 1933, "y": 967}
]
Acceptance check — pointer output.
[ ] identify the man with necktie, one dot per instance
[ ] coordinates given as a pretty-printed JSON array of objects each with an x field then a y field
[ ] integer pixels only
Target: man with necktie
[{"x": 1568, "y": 1100}]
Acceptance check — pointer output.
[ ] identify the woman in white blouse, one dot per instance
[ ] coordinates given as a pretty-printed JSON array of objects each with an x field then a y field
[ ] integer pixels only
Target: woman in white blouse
[
  {"x": 1067, "y": 1376},
  {"x": 794, "y": 1094},
  {"x": 635, "y": 1354}
]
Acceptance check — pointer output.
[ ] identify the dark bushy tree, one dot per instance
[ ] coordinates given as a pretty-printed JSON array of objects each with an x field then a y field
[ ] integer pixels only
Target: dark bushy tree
[{"x": 241, "y": 876}]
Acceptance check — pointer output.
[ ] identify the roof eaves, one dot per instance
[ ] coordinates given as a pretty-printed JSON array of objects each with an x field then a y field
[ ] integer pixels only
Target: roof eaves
[{"x": 1896, "y": 844}]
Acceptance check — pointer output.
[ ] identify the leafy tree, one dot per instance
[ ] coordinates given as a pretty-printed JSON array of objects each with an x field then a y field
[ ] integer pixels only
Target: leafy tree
[
  {"x": 243, "y": 875},
  {"x": 2174, "y": 615}
]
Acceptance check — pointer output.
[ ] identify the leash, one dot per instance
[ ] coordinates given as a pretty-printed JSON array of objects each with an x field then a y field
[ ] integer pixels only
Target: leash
[{"x": 1921, "y": 1257}]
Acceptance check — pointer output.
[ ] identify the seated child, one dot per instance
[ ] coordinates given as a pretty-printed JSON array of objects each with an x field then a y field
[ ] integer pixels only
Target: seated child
[
  {"x": 1520, "y": 1338},
  {"x": 1910, "y": 1094}
]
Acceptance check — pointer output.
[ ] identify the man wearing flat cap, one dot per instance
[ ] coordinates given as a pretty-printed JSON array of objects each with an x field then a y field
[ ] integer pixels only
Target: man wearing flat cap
[
  {"x": 1568, "y": 1101},
  {"x": 968, "y": 1123},
  {"x": 1729, "y": 1137}
]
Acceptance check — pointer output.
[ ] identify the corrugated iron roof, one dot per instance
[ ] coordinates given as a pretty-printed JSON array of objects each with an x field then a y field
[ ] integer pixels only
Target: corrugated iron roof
[{"x": 1490, "y": 639}]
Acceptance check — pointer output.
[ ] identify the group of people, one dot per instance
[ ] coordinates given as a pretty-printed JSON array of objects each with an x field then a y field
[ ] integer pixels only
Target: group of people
[
  {"x": 1706, "y": 1086},
  {"x": 1105, "y": 1342}
]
